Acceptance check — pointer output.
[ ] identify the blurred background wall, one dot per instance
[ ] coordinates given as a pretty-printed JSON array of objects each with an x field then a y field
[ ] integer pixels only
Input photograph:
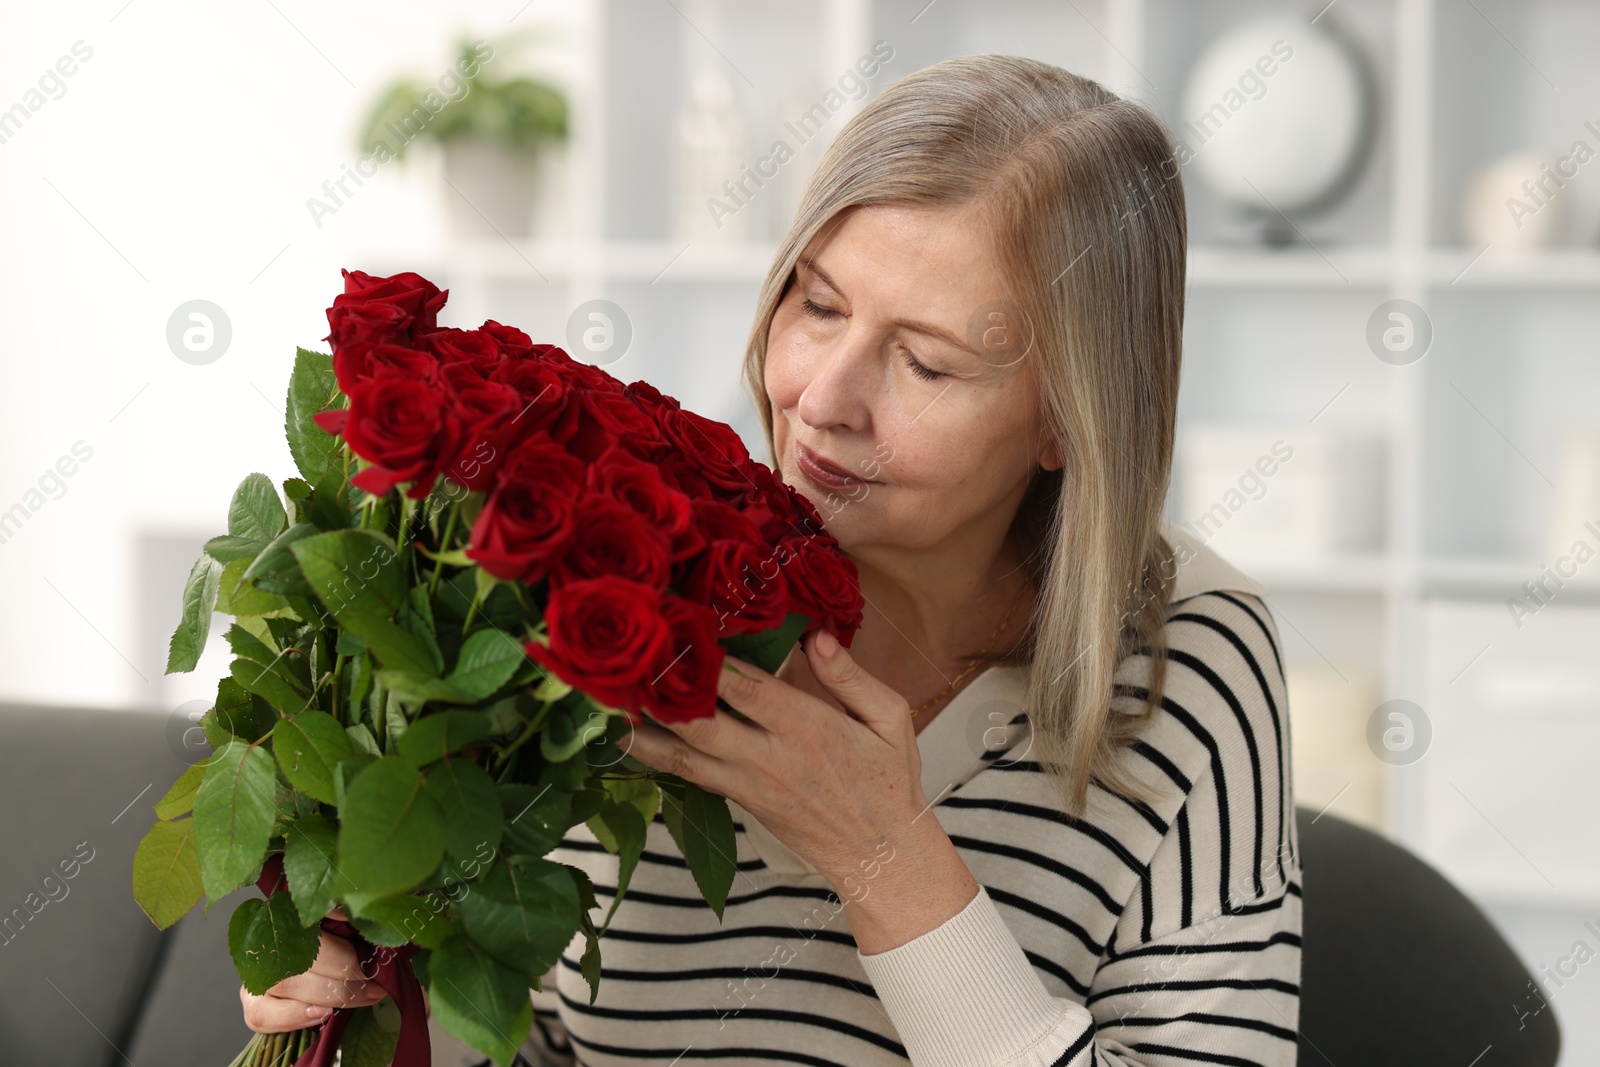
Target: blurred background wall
[{"x": 1391, "y": 399}]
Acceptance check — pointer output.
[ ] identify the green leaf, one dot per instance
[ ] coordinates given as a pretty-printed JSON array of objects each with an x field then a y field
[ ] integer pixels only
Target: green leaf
[
  {"x": 256, "y": 513},
  {"x": 362, "y": 739},
  {"x": 179, "y": 800},
  {"x": 471, "y": 805},
  {"x": 414, "y": 690},
  {"x": 308, "y": 746},
  {"x": 371, "y": 1035},
  {"x": 535, "y": 817},
  {"x": 166, "y": 872},
  {"x": 330, "y": 500},
  {"x": 702, "y": 826},
  {"x": 415, "y": 918},
  {"x": 589, "y": 963},
  {"x": 357, "y": 576},
  {"x": 523, "y": 912},
  {"x": 315, "y": 882},
  {"x": 276, "y": 570},
  {"x": 194, "y": 626},
  {"x": 626, "y": 830},
  {"x": 569, "y": 728},
  {"x": 236, "y": 714},
  {"x": 227, "y": 548},
  {"x": 233, "y": 814},
  {"x": 434, "y": 736},
  {"x": 312, "y": 389},
  {"x": 237, "y": 597},
  {"x": 479, "y": 1000},
  {"x": 392, "y": 833},
  {"x": 267, "y": 942},
  {"x": 769, "y": 648},
  {"x": 269, "y": 685},
  {"x": 488, "y": 660}
]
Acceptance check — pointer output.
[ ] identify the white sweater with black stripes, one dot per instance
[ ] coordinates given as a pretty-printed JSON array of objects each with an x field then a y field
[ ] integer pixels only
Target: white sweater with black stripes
[{"x": 1166, "y": 933}]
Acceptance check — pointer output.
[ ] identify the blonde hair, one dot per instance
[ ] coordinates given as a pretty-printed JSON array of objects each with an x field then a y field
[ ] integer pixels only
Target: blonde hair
[{"x": 1086, "y": 208}]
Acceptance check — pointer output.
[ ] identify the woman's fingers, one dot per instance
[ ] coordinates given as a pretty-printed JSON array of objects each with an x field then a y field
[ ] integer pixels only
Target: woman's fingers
[
  {"x": 267, "y": 1014},
  {"x": 320, "y": 990},
  {"x": 336, "y": 958}
]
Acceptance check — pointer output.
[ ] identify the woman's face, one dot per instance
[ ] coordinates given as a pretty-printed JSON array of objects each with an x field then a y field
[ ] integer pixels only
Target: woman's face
[{"x": 904, "y": 403}]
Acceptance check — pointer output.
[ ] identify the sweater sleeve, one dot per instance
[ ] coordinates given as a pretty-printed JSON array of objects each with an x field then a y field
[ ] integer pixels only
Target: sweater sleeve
[
  {"x": 1223, "y": 991},
  {"x": 1204, "y": 960}
]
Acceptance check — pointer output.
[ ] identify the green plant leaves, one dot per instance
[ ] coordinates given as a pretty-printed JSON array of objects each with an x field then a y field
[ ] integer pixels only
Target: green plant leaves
[
  {"x": 488, "y": 660},
  {"x": 179, "y": 800},
  {"x": 309, "y": 746},
  {"x": 473, "y": 821},
  {"x": 702, "y": 826},
  {"x": 434, "y": 736},
  {"x": 357, "y": 576},
  {"x": 194, "y": 625},
  {"x": 371, "y": 1036},
  {"x": 769, "y": 648},
  {"x": 312, "y": 389},
  {"x": 166, "y": 872},
  {"x": 256, "y": 513},
  {"x": 315, "y": 882},
  {"x": 234, "y": 810},
  {"x": 392, "y": 833},
  {"x": 523, "y": 912},
  {"x": 478, "y": 999},
  {"x": 267, "y": 942},
  {"x": 413, "y": 918},
  {"x": 276, "y": 570}
]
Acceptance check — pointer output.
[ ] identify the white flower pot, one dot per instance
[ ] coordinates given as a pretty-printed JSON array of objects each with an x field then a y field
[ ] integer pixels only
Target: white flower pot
[{"x": 490, "y": 188}]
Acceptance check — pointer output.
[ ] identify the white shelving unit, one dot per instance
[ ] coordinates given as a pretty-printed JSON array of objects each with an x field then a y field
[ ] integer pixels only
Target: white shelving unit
[{"x": 1471, "y": 428}]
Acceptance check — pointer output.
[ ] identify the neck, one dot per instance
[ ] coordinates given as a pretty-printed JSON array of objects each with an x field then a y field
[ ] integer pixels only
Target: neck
[{"x": 926, "y": 614}]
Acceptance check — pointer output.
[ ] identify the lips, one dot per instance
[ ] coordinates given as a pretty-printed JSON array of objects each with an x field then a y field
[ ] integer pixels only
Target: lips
[{"x": 824, "y": 471}]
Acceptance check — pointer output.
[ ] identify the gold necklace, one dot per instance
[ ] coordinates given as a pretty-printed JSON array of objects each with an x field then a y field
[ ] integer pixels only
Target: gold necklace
[{"x": 972, "y": 664}]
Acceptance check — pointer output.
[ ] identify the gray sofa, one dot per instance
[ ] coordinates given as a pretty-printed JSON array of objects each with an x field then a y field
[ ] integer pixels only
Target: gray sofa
[{"x": 1401, "y": 968}]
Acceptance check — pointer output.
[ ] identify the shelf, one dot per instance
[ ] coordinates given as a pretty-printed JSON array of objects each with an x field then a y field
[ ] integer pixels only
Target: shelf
[
  {"x": 1321, "y": 267},
  {"x": 1560, "y": 267},
  {"x": 1346, "y": 574}
]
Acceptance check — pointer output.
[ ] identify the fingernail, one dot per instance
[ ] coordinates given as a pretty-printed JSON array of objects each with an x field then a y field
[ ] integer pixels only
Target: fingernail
[
  {"x": 826, "y": 644},
  {"x": 318, "y": 1011}
]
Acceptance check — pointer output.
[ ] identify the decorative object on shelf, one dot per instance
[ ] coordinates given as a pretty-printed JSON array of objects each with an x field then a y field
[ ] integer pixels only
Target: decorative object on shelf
[
  {"x": 494, "y": 133},
  {"x": 494, "y": 562},
  {"x": 711, "y": 189},
  {"x": 1514, "y": 204},
  {"x": 1279, "y": 118},
  {"x": 1575, "y": 511},
  {"x": 1333, "y": 767},
  {"x": 1283, "y": 494}
]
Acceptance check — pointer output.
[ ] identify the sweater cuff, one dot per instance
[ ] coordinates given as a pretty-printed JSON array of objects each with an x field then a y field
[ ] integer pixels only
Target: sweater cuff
[{"x": 963, "y": 993}]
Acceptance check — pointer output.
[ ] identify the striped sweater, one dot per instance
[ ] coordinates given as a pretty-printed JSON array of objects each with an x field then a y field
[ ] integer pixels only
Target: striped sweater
[{"x": 1163, "y": 933}]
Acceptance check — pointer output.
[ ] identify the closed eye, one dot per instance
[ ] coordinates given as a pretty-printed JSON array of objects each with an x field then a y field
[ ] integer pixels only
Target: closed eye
[{"x": 927, "y": 374}]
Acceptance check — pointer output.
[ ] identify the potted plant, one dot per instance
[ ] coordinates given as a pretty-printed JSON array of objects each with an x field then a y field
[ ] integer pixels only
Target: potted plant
[{"x": 492, "y": 131}]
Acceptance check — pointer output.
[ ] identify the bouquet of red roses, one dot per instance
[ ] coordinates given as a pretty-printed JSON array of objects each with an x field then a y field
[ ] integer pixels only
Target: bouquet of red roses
[{"x": 495, "y": 558}]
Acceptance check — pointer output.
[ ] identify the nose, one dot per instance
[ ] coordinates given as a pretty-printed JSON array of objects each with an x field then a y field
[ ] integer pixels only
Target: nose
[{"x": 839, "y": 395}]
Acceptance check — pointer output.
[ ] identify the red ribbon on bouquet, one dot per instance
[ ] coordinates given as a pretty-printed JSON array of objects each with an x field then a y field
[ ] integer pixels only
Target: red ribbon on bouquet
[{"x": 389, "y": 967}]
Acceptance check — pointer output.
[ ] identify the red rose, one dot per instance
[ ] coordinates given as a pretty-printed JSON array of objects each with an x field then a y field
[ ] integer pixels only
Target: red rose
[
  {"x": 547, "y": 397},
  {"x": 742, "y": 583},
  {"x": 607, "y": 418},
  {"x": 484, "y": 414},
  {"x": 526, "y": 522},
  {"x": 624, "y": 477},
  {"x": 713, "y": 447},
  {"x": 363, "y": 361},
  {"x": 365, "y": 324},
  {"x": 616, "y": 540},
  {"x": 413, "y": 294},
  {"x": 475, "y": 349},
  {"x": 512, "y": 341},
  {"x": 823, "y": 585},
  {"x": 604, "y": 634},
  {"x": 400, "y": 425},
  {"x": 682, "y": 683}
]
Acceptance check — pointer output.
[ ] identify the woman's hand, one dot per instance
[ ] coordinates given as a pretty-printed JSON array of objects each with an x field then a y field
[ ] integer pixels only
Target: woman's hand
[
  {"x": 834, "y": 787},
  {"x": 334, "y": 981}
]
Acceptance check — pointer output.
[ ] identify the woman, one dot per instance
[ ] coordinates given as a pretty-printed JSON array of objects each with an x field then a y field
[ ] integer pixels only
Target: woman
[{"x": 1040, "y": 812}]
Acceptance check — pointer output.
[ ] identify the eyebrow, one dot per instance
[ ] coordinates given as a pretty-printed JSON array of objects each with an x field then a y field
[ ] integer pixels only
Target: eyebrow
[{"x": 929, "y": 329}]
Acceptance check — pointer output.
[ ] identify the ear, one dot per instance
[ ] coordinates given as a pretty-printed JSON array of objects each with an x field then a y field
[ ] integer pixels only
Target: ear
[{"x": 1049, "y": 454}]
